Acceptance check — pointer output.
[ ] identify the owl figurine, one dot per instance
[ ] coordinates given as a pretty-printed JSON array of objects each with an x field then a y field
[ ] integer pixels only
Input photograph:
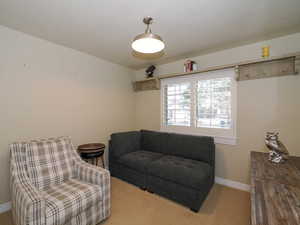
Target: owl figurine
[{"x": 277, "y": 151}]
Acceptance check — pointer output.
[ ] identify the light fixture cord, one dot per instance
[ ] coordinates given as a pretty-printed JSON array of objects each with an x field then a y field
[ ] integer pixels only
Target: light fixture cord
[{"x": 148, "y": 29}]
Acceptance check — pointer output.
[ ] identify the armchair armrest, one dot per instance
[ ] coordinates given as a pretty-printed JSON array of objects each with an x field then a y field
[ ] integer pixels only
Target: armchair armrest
[
  {"x": 96, "y": 175},
  {"x": 28, "y": 204}
]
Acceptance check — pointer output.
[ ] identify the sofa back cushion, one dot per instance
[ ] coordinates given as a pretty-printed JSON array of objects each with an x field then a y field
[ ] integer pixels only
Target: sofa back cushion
[
  {"x": 154, "y": 141},
  {"x": 124, "y": 142},
  {"x": 49, "y": 161},
  {"x": 200, "y": 148}
]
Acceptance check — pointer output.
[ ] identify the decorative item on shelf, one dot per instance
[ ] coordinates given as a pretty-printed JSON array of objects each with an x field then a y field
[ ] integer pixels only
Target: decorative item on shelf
[
  {"x": 190, "y": 66},
  {"x": 194, "y": 66},
  {"x": 265, "y": 51},
  {"x": 150, "y": 71},
  {"x": 277, "y": 151}
]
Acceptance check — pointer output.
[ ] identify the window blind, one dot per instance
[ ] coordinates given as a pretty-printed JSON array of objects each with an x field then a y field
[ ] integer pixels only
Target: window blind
[
  {"x": 200, "y": 104},
  {"x": 213, "y": 104},
  {"x": 178, "y": 104}
]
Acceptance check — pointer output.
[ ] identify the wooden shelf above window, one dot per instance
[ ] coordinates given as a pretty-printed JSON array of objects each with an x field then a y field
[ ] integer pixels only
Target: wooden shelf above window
[
  {"x": 146, "y": 85},
  {"x": 266, "y": 69},
  {"x": 247, "y": 70}
]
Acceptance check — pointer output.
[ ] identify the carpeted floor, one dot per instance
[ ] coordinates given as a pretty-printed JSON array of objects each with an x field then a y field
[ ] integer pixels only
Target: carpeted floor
[{"x": 132, "y": 206}]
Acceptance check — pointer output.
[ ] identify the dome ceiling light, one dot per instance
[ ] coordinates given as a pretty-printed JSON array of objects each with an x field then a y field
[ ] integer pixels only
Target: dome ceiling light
[{"x": 148, "y": 42}]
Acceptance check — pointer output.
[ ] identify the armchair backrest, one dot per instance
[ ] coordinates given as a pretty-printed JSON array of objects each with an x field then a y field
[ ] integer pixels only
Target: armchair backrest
[
  {"x": 18, "y": 167},
  {"x": 49, "y": 161}
]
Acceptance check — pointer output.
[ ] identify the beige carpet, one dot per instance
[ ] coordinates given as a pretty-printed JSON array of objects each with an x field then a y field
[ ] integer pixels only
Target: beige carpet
[{"x": 132, "y": 206}]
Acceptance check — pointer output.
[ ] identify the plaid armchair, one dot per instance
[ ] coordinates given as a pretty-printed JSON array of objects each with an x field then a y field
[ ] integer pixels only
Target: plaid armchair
[{"x": 51, "y": 185}]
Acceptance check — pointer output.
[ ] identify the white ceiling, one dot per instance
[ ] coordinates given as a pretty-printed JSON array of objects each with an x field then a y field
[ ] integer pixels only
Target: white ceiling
[{"x": 105, "y": 28}]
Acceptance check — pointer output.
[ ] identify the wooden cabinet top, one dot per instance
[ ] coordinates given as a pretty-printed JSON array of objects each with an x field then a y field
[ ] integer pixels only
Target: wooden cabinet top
[
  {"x": 287, "y": 173},
  {"x": 275, "y": 191}
]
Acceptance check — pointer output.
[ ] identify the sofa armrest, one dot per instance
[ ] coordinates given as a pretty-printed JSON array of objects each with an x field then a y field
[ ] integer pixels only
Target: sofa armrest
[
  {"x": 123, "y": 143},
  {"x": 96, "y": 175}
]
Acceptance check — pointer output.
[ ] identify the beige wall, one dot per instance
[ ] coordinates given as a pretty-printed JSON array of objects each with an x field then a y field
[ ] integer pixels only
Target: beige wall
[
  {"x": 48, "y": 90},
  {"x": 263, "y": 105}
]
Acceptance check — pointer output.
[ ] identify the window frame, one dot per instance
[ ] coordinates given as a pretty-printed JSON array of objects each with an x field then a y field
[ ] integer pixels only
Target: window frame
[{"x": 221, "y": 135}]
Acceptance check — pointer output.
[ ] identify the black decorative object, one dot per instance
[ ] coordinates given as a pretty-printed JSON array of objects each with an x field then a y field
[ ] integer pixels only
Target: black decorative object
[{"x": 150, "y": 71}]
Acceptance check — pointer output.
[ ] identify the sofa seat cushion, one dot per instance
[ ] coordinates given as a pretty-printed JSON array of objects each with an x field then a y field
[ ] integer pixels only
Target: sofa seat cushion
[
  {"x": 139, "y": 160},
  {"x": 69, "y": 199},
  {"x": 183, "y": 171}
]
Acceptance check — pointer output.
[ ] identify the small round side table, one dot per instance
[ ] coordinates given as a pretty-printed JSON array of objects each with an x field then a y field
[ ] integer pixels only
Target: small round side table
[{"x": 92, "y": 151}]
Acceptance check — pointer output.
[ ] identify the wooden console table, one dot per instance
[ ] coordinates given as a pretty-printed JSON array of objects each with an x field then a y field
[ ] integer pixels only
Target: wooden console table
[{"x": 275, "y": 191}]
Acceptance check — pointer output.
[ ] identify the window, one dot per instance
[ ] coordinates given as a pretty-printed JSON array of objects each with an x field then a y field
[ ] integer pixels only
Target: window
[
  {"x": 201, "y": 104},
  {"x": 213, "y": 103},
  {"x": 178, "y": 104}
]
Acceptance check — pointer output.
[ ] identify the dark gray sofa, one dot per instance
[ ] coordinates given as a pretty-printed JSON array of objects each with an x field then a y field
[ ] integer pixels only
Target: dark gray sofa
[{"x": 178, "y": 167}]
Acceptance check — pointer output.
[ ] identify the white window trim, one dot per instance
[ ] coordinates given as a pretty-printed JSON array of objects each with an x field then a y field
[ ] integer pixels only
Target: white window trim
[{"x": 220, "y": 136}]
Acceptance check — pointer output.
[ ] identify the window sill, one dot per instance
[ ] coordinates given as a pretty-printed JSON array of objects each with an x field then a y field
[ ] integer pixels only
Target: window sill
[
  {"x": 218, "y": 139},
  {"x": 226, "y": 140}
]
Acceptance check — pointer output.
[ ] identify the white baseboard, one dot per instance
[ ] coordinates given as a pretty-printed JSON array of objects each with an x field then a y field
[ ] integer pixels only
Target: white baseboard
[
  {"x": 5, "y": 207},
  {"x": 232, "y": 184}
]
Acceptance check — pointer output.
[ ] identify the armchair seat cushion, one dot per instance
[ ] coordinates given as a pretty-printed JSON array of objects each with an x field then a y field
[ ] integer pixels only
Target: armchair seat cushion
[
  {"x": 183, "y": 171},
  {"x": 139, "y": 160},
  {"x": 69, "y": 199}
]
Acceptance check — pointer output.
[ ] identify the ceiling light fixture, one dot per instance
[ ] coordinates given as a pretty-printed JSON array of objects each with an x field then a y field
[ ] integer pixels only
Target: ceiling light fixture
[{"x": 148, "y": 42}]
